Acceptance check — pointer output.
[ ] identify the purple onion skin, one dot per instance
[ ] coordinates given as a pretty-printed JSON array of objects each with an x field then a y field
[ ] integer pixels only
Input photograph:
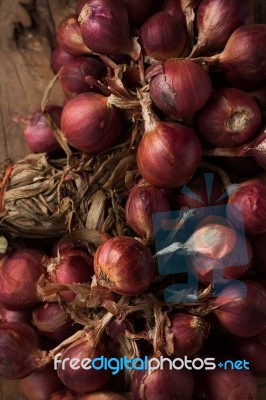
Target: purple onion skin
[
  {"x": 62, "y": 395},
  {"x": 141, "y": 204},
  {"x": 244, "y": 54},
  {"x": 162, "y": 155},
  {"x": 253, "y": 350},
  {"x": 230, "y": 384},
  {"x": 250, "y": 204},
  {"x": 41, "y": 384},
  {"x": 61, "y": 57},
  {"x": 241, "y": 314},
  {"x": 82, "y": 380},
  {"x": 173, "y": 7},
  {"x": 89, "y": 124},
  {"x": 179, "y": 87},
  {"x": 72, "y": 75},
  {"x": 19, "y": 350},
  {"x": 190, "y": 333},
  {"x": 230, "y": 118},
  {"x": 19, "y": 274},
  {"x": 105, "y": 27},
  {"x": 14, "y": 316},
  {"x": 53, "y": 322},
  {"x": 38, "y": 134},
  {"x": 163, "y": 384},
  {"x": 138, "y": 10},
  {"x": 216, "y": 20},
  {"x": 161, "y": 47}
]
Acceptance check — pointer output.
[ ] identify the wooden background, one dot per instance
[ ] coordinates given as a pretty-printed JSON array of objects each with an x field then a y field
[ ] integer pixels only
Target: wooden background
[{"x": 27, "y": 31}]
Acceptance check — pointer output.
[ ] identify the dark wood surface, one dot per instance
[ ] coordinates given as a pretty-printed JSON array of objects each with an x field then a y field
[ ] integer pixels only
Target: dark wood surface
[{"x": 26, "y": 38}]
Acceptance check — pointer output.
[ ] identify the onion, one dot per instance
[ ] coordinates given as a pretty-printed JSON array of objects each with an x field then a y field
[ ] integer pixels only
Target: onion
[
  {"x": 244, "y": 55},
  {"x": 179, "y": 87},
  {"x": 259, "y": 94},
  {"x": 230, "y": 267},
  {"x": 196, "y": 193},
  {"x": 216, "y": 20},
  {"x": 190, "y": 333},
  {"x": 162, "y": 46},
  {"x": 19, "y": 274},
  {"x": 69, "y": 37},
  {"x": 62, "y": 395},
  {"x": 241, "y": 314},
  {"x": 60, "y": 247},
  {"x": 233, "y": 80},
  {"x": 14, "y": 316},
  {"x": 162, "y": 384},
  {"x": 230, "y": 384},
  {"x": 138, "y": 10},
  {"x": 19, "y": 350},
  {"x": 83, "y": 380},
  {"x": 173, "y": 7},
  {"x": 73, "y": 266},
  {"x": 231, "y": 117},
  {"x": 141, "y": 204},
  {"x": 60, "y": 57},
  {"x": 249, "y": 206},
  {"x": 253, "y": 350},
  {"x": 124, "y": 265},
  {"x": 256, "y": 148},
  {"x": 90, "y": 123},
  {"x": 105, "y": 28},
  {"x": 41, "y": 384},
  {"x": 38, "y": 135},
  {"x": 102, "y": 396},
  {"x": 53, "y": 322},
  {"x": 72, "y": 75},
  {"x": 162, "y": 152}
]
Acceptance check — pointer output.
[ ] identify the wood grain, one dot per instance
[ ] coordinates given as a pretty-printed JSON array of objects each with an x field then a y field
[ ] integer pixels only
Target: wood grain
[{"x": 27, "y": 32}]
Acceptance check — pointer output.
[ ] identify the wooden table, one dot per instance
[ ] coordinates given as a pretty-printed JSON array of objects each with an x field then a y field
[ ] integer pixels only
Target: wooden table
[{"x": 26, "y": 37}]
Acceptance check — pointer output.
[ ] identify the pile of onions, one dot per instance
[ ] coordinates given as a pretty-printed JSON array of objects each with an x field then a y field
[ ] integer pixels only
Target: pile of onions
[{"x": 134, "y": 94}]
